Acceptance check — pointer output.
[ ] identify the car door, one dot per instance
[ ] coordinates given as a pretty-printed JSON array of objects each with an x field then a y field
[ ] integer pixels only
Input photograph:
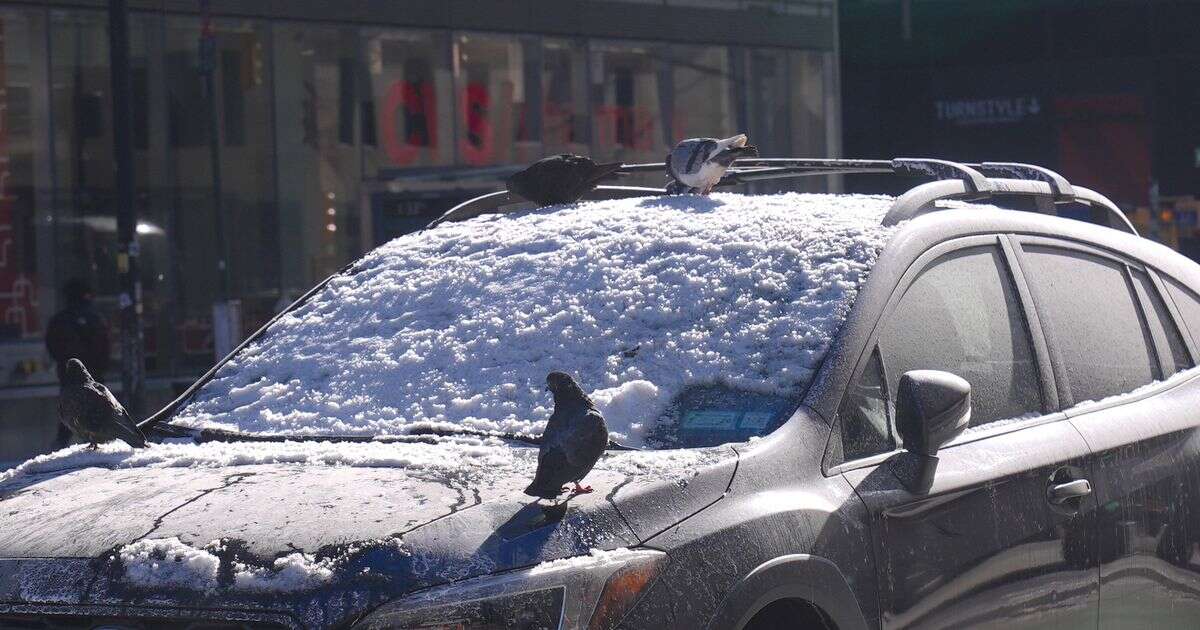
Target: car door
[
  {"x": 1110, "y": 332},
  {"x": 984, "y": 546}
]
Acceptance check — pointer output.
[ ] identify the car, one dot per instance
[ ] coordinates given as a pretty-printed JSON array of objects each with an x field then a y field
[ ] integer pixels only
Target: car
[{"x": 828, "y": 411}]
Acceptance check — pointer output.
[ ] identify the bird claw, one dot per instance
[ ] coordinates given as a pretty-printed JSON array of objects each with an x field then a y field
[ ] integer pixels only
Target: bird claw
[{"x": 581, "y": 490}]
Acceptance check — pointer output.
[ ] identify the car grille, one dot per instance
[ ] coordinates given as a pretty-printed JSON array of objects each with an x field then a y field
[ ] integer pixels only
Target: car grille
[{"x": 98, "y": 622}]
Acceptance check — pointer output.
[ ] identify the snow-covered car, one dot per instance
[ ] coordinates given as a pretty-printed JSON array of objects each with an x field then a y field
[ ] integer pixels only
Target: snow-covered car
[{"x": 839, "y": 411}]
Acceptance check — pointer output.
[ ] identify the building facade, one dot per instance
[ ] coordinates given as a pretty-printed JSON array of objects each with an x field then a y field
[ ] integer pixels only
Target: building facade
[
  {"x": 1106, "y": 92},
  {"x": 341, "y": 125}
]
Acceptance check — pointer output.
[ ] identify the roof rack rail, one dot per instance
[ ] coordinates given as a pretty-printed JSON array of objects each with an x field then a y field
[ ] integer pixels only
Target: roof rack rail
[{"x": 954, "y": 180}]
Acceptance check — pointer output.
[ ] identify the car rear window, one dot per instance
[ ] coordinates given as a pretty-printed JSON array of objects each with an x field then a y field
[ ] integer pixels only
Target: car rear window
[
  {"x": 1188, "y": 304},
  {"x": 1093, "y": 317},
  {"x": 1162, "y": 326}
]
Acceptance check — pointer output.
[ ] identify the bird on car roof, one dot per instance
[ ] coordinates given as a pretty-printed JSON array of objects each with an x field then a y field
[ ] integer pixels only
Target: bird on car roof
[
  {"x": 91, "y": 411},
  {"x": 559, "y": 179},
  {"x": 574, "y": 439},
  {"x": 696, "y": 165}
]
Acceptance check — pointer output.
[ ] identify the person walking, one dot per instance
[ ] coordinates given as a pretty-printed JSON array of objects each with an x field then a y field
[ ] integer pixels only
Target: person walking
[{"x": 78, "y": 331}]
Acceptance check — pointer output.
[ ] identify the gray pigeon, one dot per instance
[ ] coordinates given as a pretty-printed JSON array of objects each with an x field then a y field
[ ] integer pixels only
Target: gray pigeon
[
  {"x": 697, "y": 164},
  {"x": 559, "y": 179},
  {"x": 574, "y": 439},
  {"x": 91, "y": 412}
]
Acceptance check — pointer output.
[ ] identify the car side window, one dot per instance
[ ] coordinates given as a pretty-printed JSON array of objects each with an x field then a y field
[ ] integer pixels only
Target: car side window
[
  {"x": 962, "y": 315},
  {"x": 1162, "y": 326},
  {"x": 1092, "y": 315},
  {"x": 864, "y": 417},
  {"x": 1188, "y": 304}
]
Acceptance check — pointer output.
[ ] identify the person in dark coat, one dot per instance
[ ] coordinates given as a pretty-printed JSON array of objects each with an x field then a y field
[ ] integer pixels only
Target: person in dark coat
[{"x": 77, "y": 331}]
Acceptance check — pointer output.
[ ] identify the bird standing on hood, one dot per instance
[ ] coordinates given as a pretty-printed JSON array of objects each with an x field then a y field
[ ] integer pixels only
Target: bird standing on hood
[
  {"x": 92, "y": 412},
  {"x": 574, "y": 439},
  {"x": 697, "y": 164},
  {"x": 559, "y": 179}
]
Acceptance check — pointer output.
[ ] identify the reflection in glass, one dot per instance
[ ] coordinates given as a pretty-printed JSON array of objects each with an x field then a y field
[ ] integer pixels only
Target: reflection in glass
[
  {"x": 627, "y": 84},
  {"x": 316, "y": 72},
  {"x": 564, "y": 97},
  {"x": 408, "y": 115},
  {"x": 246, "y": 141},
  {"x": 495, "y": 125}
]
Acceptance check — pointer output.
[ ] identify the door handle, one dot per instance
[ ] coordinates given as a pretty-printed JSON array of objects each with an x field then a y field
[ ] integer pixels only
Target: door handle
[{"x": 1061, "y": 493}]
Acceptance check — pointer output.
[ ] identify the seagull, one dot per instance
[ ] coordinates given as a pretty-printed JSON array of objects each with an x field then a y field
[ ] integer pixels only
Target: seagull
[
  {"x": 574, "y": 439},
  {"x": 91, "y": 412},
  {"x": 697, "y": 164},
  {"x": 559, "y": 179}
]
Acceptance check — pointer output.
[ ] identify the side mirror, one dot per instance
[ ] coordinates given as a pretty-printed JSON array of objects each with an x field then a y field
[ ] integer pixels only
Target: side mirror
[{"x": 932, "y": 408}]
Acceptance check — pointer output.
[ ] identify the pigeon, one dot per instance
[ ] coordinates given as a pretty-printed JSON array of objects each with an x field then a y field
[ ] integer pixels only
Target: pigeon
[
  {"x": 574, "y": 439},
  {"x": 559, "y": 179},
  {"x": 91, "y": 412},
  {"x": 697, "y": 164}
]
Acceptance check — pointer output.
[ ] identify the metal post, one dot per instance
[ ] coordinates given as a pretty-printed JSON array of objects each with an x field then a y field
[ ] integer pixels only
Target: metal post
[
  {"x": 130, "y": 299},
  {"x": 226, "y": 313},
  {"x": 208, "y": 69}
]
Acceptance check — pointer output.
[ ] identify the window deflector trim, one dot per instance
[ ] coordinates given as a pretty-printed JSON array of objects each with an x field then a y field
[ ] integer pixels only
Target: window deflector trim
[
  {"x": 1158, "y": 334},
  {"x": 911, "y": 273},
  {"x": 1033, "y": 325}
]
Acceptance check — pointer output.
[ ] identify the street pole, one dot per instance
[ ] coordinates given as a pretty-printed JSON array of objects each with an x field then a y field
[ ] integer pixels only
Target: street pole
[
  {"x": 130, "y": 298},
  {"x": 226, "y": 313}
]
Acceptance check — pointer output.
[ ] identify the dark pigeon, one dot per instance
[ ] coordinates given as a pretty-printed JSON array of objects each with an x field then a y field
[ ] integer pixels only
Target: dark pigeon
[
  {"x": 574, "y": 439},
  {"x": 91, "y": 412},
  {"x": 559, "y": 179}
]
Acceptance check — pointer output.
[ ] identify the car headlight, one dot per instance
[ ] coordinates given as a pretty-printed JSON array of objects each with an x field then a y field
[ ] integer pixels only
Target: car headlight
[{"x": 592, "y": 592}]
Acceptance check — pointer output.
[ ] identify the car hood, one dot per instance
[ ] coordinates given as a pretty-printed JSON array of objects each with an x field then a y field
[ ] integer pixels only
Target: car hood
[{"x": 329, "y": 540}]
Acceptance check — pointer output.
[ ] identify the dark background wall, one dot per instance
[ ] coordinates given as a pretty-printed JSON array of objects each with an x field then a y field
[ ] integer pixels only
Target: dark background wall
[{"x": 1107, "y": 92}]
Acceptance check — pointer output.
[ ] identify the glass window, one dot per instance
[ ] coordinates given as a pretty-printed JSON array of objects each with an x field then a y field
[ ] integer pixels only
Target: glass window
[
  {"x": 864, "y": 418},
  {"x": 243, "y": 103},
  {"x": 700, "y": 98},
  {"x": 629, "y": 97},
  {"x": 1094, "y": 320},
  {"x": 1162, "y": 326},
  {"x": 1188, "y": 304},
  {"x": 961, "y": 315},
  {"x": 27, "y": 253},
  {"x": 494, "y": 117},
  {"x": 317, "y": 69},
  {"x": 564, "y": 97},
  {"x": 408, "y": 113}
]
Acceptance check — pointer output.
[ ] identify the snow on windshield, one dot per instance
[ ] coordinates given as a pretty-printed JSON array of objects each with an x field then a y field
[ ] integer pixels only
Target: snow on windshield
[{"x": 637, "y": 298}]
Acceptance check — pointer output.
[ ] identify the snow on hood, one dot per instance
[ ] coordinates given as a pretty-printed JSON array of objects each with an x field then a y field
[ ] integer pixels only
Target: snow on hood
[{"x": 637, "y": 298}]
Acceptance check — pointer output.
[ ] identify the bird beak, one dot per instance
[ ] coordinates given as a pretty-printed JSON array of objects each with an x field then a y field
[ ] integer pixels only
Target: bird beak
[{"x": 736, "y": 142}]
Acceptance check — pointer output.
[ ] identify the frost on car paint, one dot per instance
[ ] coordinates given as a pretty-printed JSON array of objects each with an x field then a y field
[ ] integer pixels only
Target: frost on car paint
[{"x": 638, "y": 298}]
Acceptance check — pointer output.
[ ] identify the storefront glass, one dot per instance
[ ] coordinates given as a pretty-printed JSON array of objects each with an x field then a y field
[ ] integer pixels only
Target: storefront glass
[
  {"x": 564, "y": 97},
  {"x": 629, "y": 86},
  {"x": 498, "y": 122},
  {"x": 25, "y": 292},
  {"x": 408, "y": 110},
  {"x": 317, "y": 74}
]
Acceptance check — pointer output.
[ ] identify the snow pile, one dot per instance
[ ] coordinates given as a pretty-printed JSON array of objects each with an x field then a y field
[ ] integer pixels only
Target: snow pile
[
  {"x": 169, "y": 562},
  {"x": 594, "y": 558},
  {"x": 635, "y": 297}
]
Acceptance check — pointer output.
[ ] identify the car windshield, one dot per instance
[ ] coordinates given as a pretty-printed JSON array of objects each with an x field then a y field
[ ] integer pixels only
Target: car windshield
[{"x": 689, "y": 321}]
